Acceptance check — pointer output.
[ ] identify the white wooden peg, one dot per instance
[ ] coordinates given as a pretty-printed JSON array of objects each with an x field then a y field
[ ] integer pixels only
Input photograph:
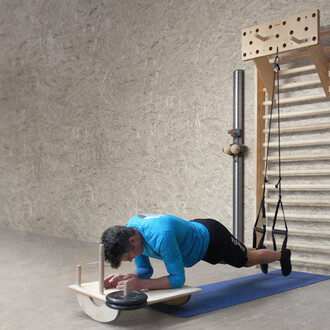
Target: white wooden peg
[
  {"x": 101, "y": 269},
  {"x": 78, "y": 276},
  {"x": 126, "y": 289},
  {"x": 258, "y": 36},
  {"x": 297, "y": 41}
]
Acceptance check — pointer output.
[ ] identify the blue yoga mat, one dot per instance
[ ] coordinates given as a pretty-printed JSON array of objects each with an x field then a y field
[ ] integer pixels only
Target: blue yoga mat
[{"x": 229, "y": 293}]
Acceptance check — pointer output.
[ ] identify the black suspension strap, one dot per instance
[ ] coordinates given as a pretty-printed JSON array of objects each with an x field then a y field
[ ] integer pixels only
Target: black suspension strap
[
  {"x": 279, "y": 204},
  {"x": 262, "y": 209}
]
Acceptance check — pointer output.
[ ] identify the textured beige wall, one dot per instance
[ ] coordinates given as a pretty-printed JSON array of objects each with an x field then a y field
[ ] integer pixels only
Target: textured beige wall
[{"x": 114, "y": 108}]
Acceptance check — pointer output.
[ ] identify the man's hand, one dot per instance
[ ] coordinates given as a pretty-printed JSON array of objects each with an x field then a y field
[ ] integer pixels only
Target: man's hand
[
  {"x": 134, "y": 283},
  {"x": 112, "y": 280}
]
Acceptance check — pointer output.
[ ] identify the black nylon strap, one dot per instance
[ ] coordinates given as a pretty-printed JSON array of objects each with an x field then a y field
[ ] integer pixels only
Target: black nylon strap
[
  {"x": 262, "y": 209},
  {"x": 263, "y": 229},
  {"x": 279, "y": 183}
]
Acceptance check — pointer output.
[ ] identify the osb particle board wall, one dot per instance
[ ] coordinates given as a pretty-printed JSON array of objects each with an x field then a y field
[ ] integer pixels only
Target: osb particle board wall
[{"x": 113, "y": 108}]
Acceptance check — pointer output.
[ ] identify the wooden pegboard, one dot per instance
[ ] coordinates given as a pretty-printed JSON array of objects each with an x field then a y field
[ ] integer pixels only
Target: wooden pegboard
[{"x": 290, "y": 33}]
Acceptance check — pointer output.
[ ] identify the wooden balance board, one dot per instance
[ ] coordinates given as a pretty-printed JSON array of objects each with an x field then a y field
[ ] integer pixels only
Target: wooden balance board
[{"x": 93, "y": 304}]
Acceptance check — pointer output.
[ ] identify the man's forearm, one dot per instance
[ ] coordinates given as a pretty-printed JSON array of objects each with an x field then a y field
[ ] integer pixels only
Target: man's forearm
[
  {"x": 139, "y": 284},
  {"x": 156, "y": 283}
]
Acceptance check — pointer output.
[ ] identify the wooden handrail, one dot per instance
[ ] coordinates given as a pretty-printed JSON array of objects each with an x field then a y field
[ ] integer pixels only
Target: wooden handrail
[
  {"x": 300, "y": 128},
  {"x": 302, "y": 113},
  {"x": 302, "y": 143},
  {"x": 301, "y": 202},
  {"x": 309, "y": 172},
  {"x": 298, "y": 99}
]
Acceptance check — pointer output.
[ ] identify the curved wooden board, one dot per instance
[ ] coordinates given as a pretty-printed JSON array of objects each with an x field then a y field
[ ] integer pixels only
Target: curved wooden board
[{"x": 97, "y": 311}]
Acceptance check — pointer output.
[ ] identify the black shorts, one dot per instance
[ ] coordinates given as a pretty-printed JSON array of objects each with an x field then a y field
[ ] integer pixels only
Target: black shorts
[{"x": 223, "y": 246}]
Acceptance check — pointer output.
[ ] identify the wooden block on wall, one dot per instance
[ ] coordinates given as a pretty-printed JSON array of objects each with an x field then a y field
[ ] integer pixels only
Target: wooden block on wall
[
  {"x": 321, "y": 61},
  {"x": 286, "y": 34}
]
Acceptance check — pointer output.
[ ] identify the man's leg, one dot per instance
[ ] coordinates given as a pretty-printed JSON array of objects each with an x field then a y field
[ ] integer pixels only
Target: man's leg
[
  {"x": 224, "y": 248},
  {"x": 262, "y": 256}
]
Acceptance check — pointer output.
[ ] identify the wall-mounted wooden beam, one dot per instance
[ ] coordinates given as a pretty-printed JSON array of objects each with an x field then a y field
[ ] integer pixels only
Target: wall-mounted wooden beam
[
  {"x": 266, "y": 73},
  {"x": 321, "y": 64},
  {"x": 259, "y": 139},
  {"x": 285, "y": 34}
]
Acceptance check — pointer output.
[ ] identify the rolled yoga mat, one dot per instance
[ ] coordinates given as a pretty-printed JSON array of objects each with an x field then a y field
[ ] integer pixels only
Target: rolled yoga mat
[{"x": 233, "y": 292}]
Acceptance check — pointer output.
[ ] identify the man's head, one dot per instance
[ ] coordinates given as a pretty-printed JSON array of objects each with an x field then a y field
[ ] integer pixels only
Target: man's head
[{"x": 121, "y": 244}]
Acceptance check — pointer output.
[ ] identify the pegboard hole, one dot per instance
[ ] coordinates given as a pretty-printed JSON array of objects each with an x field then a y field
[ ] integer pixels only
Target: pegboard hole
[
  {"x": 306, "y": 28},
  {"x": 314, "y": 38},
  {"x": 291, "y": 32},
  {"x": 298, "y": 19},
  {"x": 284, "y": 45},
  {"x": 270, "y": 26},
  {"x": 284, "y": 22},
  {"x": 244, "y": 34},
  {"x": 277, "y": 36},
  {"x": 251, "y": 42},
  {"x": 257, "y": 51},
  {"x": 257, "y": 30},
  {"x": 244, "y": 54},
  {"x": 313, "y": 15},
  {"x": 270, "y": 48}
]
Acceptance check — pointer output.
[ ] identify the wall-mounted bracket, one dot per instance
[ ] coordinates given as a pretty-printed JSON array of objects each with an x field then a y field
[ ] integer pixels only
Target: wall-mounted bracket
[
  {"x": 266, "y": 73},
  {"x": 320, "y": 60}
]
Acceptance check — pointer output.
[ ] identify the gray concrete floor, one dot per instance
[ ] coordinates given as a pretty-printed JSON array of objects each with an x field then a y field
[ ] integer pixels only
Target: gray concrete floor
[{"x": 35, "y": 271}]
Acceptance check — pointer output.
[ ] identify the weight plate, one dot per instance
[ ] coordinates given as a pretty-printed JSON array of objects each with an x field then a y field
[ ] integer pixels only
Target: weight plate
[
  {"x": 126, "y": 308},
  {"x": 134, "y": 298}
]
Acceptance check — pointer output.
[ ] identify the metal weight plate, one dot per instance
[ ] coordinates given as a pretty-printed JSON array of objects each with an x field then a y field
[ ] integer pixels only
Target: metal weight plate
[
  {"x": 126, "y": 308},
  {"x": 134, "y": 298}
]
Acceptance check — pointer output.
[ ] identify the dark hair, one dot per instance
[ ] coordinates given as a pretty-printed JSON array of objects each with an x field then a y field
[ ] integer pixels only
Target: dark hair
[{"x": 116, "y": 243}]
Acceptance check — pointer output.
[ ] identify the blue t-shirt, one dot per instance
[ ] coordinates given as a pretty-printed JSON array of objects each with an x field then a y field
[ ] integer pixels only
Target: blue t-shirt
[{"x": 177, "y": 242}]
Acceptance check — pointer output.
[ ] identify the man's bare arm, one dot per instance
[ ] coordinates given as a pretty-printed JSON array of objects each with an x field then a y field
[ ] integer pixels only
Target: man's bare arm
[{"x": 134, "y": 283}]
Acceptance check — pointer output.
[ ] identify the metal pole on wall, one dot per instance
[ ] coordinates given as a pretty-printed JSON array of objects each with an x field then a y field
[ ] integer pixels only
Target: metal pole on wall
[
  {"x": 238, "y": 157},
  {"x": 236, "y": 149}
]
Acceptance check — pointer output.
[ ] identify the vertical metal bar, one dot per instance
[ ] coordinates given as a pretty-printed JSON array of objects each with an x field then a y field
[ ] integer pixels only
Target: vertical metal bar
[{"x": 238, "y": 159}]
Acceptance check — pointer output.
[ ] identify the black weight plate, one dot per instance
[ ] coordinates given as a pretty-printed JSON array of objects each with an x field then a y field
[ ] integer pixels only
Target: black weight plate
[
  {"x": 126, "y": 308},
  {"x": 134, "y": 298}
]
